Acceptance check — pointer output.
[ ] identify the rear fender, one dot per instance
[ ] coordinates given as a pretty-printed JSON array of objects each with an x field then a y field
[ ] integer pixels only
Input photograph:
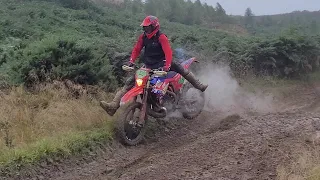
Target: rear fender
[
  {"x": 135, "y": 91},
  {"x": 176, "y": 82},
  {"x": 186, "y": 64}
]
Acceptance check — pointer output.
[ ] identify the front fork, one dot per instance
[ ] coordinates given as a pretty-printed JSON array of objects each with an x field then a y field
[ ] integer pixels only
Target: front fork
[{"x": 143, "y": 111}]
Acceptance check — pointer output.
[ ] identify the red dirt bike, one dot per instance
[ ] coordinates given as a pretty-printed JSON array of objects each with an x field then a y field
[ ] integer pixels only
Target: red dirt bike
[{"x": 156, "y": 93}]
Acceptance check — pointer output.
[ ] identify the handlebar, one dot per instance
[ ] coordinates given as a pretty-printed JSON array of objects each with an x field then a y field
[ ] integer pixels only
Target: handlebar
[
  {"x": 127, "y": 68},
  {"x": 154, "y": 71}
]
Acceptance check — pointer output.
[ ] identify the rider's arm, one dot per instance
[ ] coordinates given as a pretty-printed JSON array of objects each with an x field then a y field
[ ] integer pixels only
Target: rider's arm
[
  {"x": 166, "y": 49},
  {"x": 137, "y": 49}
]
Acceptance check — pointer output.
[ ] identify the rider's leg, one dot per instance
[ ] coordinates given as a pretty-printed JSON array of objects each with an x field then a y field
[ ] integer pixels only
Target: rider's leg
[
  {"x": 113, "y": 106},
  {"x": 188, "y": 75}
]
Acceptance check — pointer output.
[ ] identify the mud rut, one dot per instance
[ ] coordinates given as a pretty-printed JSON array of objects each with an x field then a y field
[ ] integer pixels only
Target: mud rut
[{"x": 214, "y": 146}]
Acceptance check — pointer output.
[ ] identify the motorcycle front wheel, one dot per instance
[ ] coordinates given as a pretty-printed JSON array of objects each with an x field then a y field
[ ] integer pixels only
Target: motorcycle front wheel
[{"x": 127, "y": 128}]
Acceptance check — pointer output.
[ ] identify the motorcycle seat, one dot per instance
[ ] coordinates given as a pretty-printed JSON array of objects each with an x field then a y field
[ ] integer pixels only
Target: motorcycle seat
[{"x": 171, "y": 74}]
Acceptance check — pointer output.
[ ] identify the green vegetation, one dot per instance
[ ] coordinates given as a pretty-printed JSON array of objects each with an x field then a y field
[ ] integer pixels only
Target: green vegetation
[
  {"x": 60, "y": 146},
  {"x": 50, "y": 123},
  {"x": 77, "y": 40},
  {"x": 306, "y": 22},
  {"x": 48, "y": 41}
]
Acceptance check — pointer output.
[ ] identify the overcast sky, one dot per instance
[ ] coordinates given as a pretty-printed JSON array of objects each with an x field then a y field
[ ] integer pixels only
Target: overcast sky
[{"x": 265, "y": 7}]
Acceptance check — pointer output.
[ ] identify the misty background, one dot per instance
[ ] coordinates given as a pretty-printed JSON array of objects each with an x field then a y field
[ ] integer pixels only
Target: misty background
[{"x": 263, "y": 7}]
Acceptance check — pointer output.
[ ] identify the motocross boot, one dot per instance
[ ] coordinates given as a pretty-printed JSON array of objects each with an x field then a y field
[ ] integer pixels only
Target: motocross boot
[
  {"x": 112, "y": 107},
  {"x": 190, "y": 77}
]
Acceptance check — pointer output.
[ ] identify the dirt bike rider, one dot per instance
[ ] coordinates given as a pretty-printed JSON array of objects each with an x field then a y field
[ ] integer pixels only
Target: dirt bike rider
[{"x": 157, "y": 54}]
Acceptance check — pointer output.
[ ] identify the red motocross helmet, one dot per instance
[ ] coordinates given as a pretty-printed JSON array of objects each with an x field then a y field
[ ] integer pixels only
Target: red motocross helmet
[{"x": 150, "y": 20}]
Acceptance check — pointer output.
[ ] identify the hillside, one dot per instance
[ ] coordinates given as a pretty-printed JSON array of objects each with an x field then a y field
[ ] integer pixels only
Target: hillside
[
  {"x": 80, "y": 41},
  {"x": 35, "y": 31},
  {"x": 195, "y": 12},
  {"x": 305, "y": 21}
]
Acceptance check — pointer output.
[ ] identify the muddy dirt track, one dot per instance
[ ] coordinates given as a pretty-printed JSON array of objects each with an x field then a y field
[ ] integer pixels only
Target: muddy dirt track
[{"x": 214, "y": 146}]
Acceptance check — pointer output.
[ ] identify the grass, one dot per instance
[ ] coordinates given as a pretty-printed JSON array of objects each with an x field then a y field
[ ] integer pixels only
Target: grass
[
  {"x": 278, "y": 85},
  {"x": 306, "y": 166},
  {"x": 65, "y": 144},
  {"x": 306, "y": 162},
  {"x": 315, "y": 77},
  {"x": 52, "y": 121}
]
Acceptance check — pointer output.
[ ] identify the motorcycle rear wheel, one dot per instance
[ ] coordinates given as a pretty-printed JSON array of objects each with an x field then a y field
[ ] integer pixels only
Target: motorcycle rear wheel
[
  {"x": 126, "y": 127},
  {"x": 191, "y": 107}
]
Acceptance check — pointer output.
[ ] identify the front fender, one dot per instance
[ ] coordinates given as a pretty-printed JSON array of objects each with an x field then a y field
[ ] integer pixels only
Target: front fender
[{"x": 130, "y": 95}]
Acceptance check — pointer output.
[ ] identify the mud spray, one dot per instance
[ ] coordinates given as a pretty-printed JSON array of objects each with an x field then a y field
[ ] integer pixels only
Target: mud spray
[{"x": 225, "y": 95}]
